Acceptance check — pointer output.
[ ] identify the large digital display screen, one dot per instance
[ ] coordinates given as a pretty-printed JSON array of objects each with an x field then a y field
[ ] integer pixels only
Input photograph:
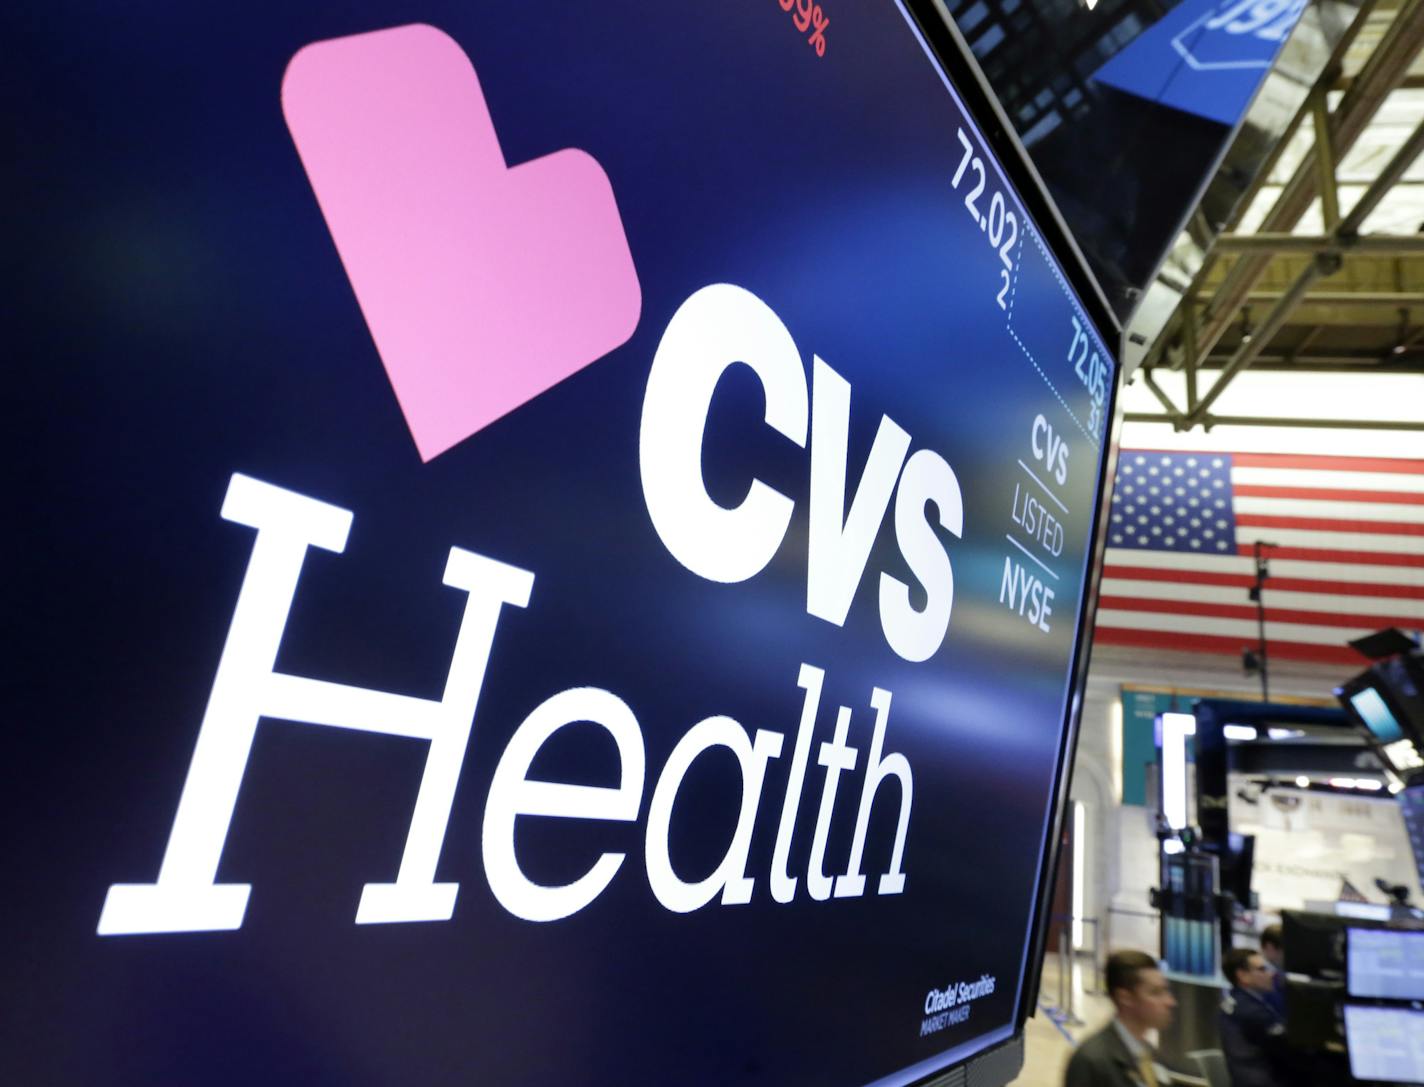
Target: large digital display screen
[
  {"x": 1386, "y": 1045},
  {"x": 552, "y": 547},
  {"x": 1386, "y": 964}
]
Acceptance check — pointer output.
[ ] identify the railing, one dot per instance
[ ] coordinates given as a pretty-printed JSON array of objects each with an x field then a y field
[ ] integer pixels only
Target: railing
[{"x": 1066, "y": 1010}]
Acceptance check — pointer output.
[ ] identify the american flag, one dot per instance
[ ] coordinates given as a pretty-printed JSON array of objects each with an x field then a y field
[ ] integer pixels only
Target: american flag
[{"x": 1348, "y": 557}]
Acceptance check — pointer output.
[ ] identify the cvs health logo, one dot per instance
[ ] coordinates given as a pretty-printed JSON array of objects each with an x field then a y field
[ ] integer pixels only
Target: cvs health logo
[{"x": 483, "y": 285}]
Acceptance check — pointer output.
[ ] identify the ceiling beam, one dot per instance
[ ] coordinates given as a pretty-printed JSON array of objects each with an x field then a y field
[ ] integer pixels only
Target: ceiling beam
[
  {"x": 1324, "y": 264},
  {"x": 1372, "y": 363},
  {"x": 1158, "y": 350},
  {"x": 1272, "y": 242},
  {"x": 1387, "y": 65},
  {"x": 1389, "y": 299}
]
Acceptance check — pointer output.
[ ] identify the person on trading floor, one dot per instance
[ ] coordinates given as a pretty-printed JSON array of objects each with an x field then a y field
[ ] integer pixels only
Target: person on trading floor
[
  {"x": 1253, "y": 1030},
  {"x": 1273, "y": 950},
  {"x": 1120, "y": 1055}
]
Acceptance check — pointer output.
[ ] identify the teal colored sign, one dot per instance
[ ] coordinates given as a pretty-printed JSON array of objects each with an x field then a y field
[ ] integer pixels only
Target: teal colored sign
[{"x": 1139, "y": 749}]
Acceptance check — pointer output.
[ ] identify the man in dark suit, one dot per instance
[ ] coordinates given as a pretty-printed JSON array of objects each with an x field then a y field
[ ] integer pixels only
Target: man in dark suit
[
  {"x": 1119, "y": 1055},
  {"x": 1253, "y": 1031}
]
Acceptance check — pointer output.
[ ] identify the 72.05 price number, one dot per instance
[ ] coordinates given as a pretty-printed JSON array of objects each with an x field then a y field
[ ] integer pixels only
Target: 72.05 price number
[
  {"x": 1091, "y": 369},
  {"x": 999, "y": 225}
]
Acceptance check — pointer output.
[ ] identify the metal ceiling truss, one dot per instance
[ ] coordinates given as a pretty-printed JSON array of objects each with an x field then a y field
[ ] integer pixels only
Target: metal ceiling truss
[{"x": 1190, "y": 340}]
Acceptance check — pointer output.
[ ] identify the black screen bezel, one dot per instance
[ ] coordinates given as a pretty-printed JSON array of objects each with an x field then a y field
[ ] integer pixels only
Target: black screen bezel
[
  {"x": 1367, "y": 680},
  {"x": 952, "y": 52}
]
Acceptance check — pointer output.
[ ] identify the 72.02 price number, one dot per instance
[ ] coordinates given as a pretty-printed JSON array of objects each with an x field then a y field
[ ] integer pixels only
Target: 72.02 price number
[{"x": 999, "y": 225}]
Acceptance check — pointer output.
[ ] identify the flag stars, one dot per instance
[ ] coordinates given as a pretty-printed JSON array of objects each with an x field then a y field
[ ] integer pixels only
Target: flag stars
[{"x": 1172, "y": 502}]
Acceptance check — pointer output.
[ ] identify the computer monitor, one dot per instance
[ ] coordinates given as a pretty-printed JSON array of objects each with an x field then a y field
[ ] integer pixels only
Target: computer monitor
[
  {"x": 1314, "y": 943},
  {"x": 1386, "y": 964},
  {"x": 1376, "y": 715},
  {"x": 1385, "y": 1044},
  {"x": 1411, "y": 806},
  {"x": 1312, "y": 1013},
  {"x": 1386, "y": 704}
]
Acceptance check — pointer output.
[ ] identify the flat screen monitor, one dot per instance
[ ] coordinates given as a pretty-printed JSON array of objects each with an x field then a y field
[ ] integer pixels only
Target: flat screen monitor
[
  {"x": 1312, "y": 1013},
  {"x": 1387, "y": 964},
  {"x": 1386, "y": 1045},
  {"x": 555, "y": 545},
  {"x": 1314, "y": 943},
  {"x": 1385, "y": 703},
  {"x": 1411, "y": 805},
  {"x": 1377, "y": 717}
]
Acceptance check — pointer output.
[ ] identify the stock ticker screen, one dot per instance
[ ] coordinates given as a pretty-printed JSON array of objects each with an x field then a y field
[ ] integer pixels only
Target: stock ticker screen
[{"x": 552, "y": 547}]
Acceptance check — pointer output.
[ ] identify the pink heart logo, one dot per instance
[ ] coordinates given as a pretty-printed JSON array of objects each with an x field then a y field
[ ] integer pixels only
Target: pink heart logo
[{"x": 482, "y": 285}]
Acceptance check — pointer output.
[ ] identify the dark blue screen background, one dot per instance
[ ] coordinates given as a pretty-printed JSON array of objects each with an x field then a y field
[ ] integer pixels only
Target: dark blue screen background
[{"x": 177, "y": 312}]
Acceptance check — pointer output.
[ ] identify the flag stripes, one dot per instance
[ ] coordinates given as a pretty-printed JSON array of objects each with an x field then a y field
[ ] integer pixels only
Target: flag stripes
[{"x": 1347, "y": 554}]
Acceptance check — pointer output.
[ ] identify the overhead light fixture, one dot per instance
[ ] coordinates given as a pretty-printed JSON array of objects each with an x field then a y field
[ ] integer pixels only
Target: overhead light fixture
[
  {"x": 1246, "y": 328},
  {"x": 1370, "y": 785},
  {"x": 1238, "y": 732},
  {"x": 1303, "y": 782}
]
